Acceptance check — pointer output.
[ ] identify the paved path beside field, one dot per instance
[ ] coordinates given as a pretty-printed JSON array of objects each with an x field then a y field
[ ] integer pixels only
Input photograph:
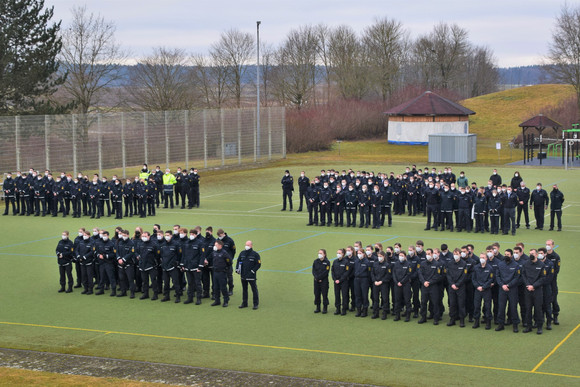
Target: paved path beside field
[{"x": 147, "y": 372}]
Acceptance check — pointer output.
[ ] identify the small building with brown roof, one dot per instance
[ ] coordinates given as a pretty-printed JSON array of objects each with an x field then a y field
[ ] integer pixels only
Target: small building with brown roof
[{"x": 412, "y": 122}]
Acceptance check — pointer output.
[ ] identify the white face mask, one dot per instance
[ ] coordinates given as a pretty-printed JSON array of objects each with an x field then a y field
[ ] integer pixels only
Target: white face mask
[
  {"x": 516, "y": 255},
  {"x": 85, "y": 237},
  {"x": 95, "y": 233},
  {"x": 191, "y": 237},
  {"x": 159, "y": 237},
  {"x": 320, "y": 256},
  {"x": 456, "y": 257},
  {"x": 418, "y": 248},
  {"x": 125, "y": 237},
  {"x": 167, "y": 238},
  {"x": 540, "y": 256},
  {"x": 301, "y": 175},
  {"x": 381, "y": 259},
  {"x": 516, "y": 175},
  {"x": 369, "y": 252},
  {"x": 494, "y": 194},
  {"x": 175, "y": 232},
  {"x": 215, "y": 248},
  {"x": 397, "y": 250},
  {"x": 435, "y": 256},
  {"x": 105, "y": 238},
  {"x": 548, "y": 247},
  {"x": 489, "y": 254},
  {"x": 247, "y": 247},
  {"x": 538, "y": 187},
  {"x": 482, "y": 261},
  {"x": 80, "y": 234},
  {"x": 144, "y": 239},
  {"x": 349, "y": 253},
  {"x": 181, "y": 235},
  {"x": 429, "y": 258},
  {"x": 411, "y": 253},
  {"x": 463, "y": 255},
  {"x": 360, "y": 255},
  {"x": 401, "y": 259},
  {"x": 101, "y": 236},
  {"x": 64, "y": 237}
]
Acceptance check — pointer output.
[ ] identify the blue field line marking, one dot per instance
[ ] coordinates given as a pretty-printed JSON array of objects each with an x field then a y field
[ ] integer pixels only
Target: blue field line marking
[
  {"x": 283, "y": 271},
  {"x": 25, "y": 243},
  {"x": 241, "y": 232},
  {"x": 557, "y": 181},
  {"x": 30, "y": 255},
  {"x": 294, "y": 241},
  {"x": 390, "y": 239}
]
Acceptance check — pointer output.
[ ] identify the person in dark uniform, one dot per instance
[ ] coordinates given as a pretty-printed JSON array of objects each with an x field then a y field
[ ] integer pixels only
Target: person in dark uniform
[
  {"x": 39, "y": 196},
  {"x": 364, "y": 203},
  {"x": 547, "y": 290},
  {"x": 480, "y": 210},
  {"x": 193, "y": 256},
  {"x": 194, "y": 179},
  {"x": 539, "y": 199},
  {"x": 221, "y": 261},
  {"x": 465, "y": 203},
  {"x": 106, "y": 254},
  {"x": 76, "y": 262},
  {"x": 207, "y": 272},
  {"x": 456, "y": 275},
  {"x": 341, "y": 270},
  {"x": 312, "y": 202},
  {"x": 230, "y": 247},
  {"x": 105, "y": 197},
  {"x": 494, "y": 204},
  {"x": 185, "y": 188},
  {"x": 147, "y": 258},
  {"x": 351, "y": 204},
  {"x": 320, "y": 271},
  {"x": 387, "y": 199},
  {"x": 338, "y": 206},
  {"x": 126, "y": 261},
  {"x": 178, "y": 184},
  {"x": 381, "y": 277},
  {"x": 557, "y": 199},
  {"x": 533, "y": 274},
  {"x": 64, "y": 255},
  {"x": 412, "y": 196},
  {"x": 247, "y": 266},
  {"x": 509, "y": 211},
  {"x": 375, "y": 206},
  {"x": 128, "y": 195},
  {"x": 151, "y": 194},
  {"x": 86, "y": 259},
  {"x": 170, "y": 255},
  {"x": 76, "y": 197},
  {"x": 523, "y": 194},
  {"x": 23, "y": 192},
  {"x": 495, "y": 178},
  {"x": 430, "y": 273},
  {"x": 433, "y": 206},
  {"x": 482, "y": 279},
  {"x": 554, "y": 257},
  {"x": 157, "y": 177},
  {"x": 448, "y": 200},
  {"x": 507, "y": 279},
  {"x": 303, "y": 184},
  {"x": 325, "y": 195},
  {"x": 402, "y": 273},
  {"x": 9, "y": 188},
  {"x": 117, "y": 198}
]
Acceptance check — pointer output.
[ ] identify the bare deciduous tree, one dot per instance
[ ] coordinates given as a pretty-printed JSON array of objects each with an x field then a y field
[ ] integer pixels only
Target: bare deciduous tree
[
  {"x": 161, "y": 82},
  {"x": 234, "y": 51},
  {"x": 563, "y": 57},
  {"x": 210, "y": 77},
  {"x": 91, "y": 57}
]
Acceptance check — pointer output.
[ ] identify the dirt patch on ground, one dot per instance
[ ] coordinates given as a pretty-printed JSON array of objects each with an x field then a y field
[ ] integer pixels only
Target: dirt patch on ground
[{"x": 147, "y": 372}]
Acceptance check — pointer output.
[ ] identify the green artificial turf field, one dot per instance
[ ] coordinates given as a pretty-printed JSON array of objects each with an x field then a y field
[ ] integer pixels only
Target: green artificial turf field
[{"x": 284, "y": 336}]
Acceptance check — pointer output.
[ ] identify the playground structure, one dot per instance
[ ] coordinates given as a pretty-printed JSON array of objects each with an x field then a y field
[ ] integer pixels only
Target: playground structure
[{"x": 566, "y": 146}]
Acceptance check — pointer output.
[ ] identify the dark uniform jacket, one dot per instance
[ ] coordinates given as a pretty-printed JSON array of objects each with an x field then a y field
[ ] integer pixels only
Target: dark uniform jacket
[
  {"x": 303, "y": 183},
  {"x": 341, "y": 270},
  {"x": 447, "y": 200},
  {"x": 557, "y": 198},
  {"x": 539, "y": 198},
  {"x": 170, "y": 254},
  {"x": 126, "y": 252},
  {"x": 193, "y": 254},
  {"x": 84, "y": 252},
  {"x": 221, "y": 260},
  {"x": 209, "y": 242},
  {"x": 147, "y": 255},
  {"x": 483, "y": 276},
  {"x": 229, "y": 245},
  {"x": 248, "y": 264},
  {"x": 287, "y": 183},
  {"x": 64, "y": 252},
  {"x": 106, "y": 249},
  {"x": 403, "y": 271},
  {"x": 508, "y": 273},
  {"x": 382, "y": 272},
  {"x": 456, "y": 273},
  {"x": 429, "y": 272},
  {"x": 533, "y": 273},
  {"x": 555, "y": 258},
  {"x": 320, "y": 269}
]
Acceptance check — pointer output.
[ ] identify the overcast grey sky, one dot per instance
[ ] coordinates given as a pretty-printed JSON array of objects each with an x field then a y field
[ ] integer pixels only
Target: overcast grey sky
[{"x": 518, "y": 31}]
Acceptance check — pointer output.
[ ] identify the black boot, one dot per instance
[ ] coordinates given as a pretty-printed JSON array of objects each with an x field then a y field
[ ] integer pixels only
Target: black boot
[
  {"x": 144, "y": 296},
  {"x": 408, "y": 316},
  {"x": 384, "y": 315},
  {"x": 556, "y": 322},
  {"x": 423, "y": 320},
  {"x": 113, "y": 292},
  {"x": 375, "y": 314},
  {"x": 198, "y": 302},
  {"x": 188, "y": 301},
  {"x": 101, "y": 291},
  {"x": 343, "y": 312},
  {"x": 397, "y": 317},
  {"x": 155, "y": 296},
  {"x": 324, "y": 309},
  {"x": 122, "y": 294},
  {"x": 549, "y": 325},
  {"x": 500, "y": 327},
  {"x": 61, "y": 290},
  {"x": 337, "y": 311},
  {"x": 451, "y": 322},
  {"x": 70, "y": 288},
  {"x": 165, "y": 299},
  {"x": 358, "y": 312},
  {"x": 487, "y": 325},
  {"x": 132, "y": 294},
  {"x": 317, "y": 310},
  {"x": 539, "y": 332},
  {"x": 462, "y": 323},
  {"x": 365, "y": 312},
  {"x": 516, "y": 328}
]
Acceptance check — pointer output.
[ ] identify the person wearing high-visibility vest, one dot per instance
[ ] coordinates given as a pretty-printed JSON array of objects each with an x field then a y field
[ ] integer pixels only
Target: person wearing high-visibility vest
[
  {"x": 168, "y": 182},
  {"x": 144, "y": 174}
]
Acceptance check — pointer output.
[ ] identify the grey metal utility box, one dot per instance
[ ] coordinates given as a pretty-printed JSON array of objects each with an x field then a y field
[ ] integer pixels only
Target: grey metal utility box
[{"x": 452, "y": 148}]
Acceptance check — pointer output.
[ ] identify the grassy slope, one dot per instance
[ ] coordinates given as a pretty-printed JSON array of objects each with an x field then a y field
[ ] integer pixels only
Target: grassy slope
[{"x": 285, "y": 318}]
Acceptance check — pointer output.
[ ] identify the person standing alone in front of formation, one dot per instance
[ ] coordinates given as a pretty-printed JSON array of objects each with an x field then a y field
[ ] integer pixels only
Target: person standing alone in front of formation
[{"x": 287, "y": 189}]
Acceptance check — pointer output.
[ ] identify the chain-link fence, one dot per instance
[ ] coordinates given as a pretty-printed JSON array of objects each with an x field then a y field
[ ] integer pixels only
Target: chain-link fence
[{"x": 194, "y": 138}]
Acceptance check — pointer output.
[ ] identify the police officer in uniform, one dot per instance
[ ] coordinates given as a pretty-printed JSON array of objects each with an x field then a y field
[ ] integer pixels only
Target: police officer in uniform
[
  {"x": 351, "y": 204},
  {"x": 320, "y": 271},
  {"x": 387, "y": 199},
  {"x": 430, "y": 276},
  {"x": 147, "y": 258},
  {"x": 170, "y": 255},
  {"x": 193, "y": 256},
  {"x": 221, "y": 261},
  {"x": 117, "y": 198},
  {"x": 381, "y": 276},
  {"x": 402, "y": 273},
  {"x": 547, "y": 287},
  {"x": 523, "y": 194},
  {"x": 494, "y": 205},
  {"x": 194, "y": 181},
  {"x": 168, "y": 182},
  {"x": 64, "y": 254},
  {"x": 86, "y": 258},
  {"x": 303, "y": 184},
  {"x": 287, "y": 189},
  {"x": 539, "y": 200},
  {"x": 9, "y": 188},
  {"x": 507, "y": 279},
  {"x": 557, "y": 199},
  {"x": 554, "y": 257},
  {"x": 456, "y": 275},
  {"x": 482, "y": 279},
  {"x": 509, "y": 211},
  {"x": 533, "y": 274},
  {"x": 106, "y": 253},
  {"x": 247, "y": 266},
  {"x": 128, "y": 197},
  {"x": 340, "y": 275},
  {"x": 312, "y": 202}
]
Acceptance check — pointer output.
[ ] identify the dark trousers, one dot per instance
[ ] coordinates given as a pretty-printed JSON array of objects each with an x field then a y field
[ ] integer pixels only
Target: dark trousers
[
  {"x": 338, "y": 214},
  {"x": 365, "y": 216},
  {"x": 206, "y": 279},
  {"x": 127, "y": 278},
  {"x": 341, "y": 295},
  {"x": 313, "y": 213},
  {"x": 381, "y": 297},
  {"x": 470, "y": 292},
  {"x": 8, "y": 201},
  {"x": 558, "y": 214},
  {"x": 173, "y": 276},
  {"x": 412, "y": 204},
  {"x": 376, "y": 215},
  {"x": 302, "y": 198},
  {"x": 87, "y": 274},
  {"x": 464, "y": 222},
  {"x": 286, "y": 194},
  {"x": 495, "y": 301},
  {"x": 430, "y": 294},
  {"x": 107, "y": 273},
  {"x": 183, "y": 193},
  {"x": 555, "y": 305},
  {"x": 522, "y": 301},
  {"x": 351, "y": 292},
  {"x": 194, "y": 284},
  {"x": 511, "y": 296},
  {"x": 446, "y": 220},
  {"x": 94, "y": 208},
  {"x": 547, "y": 302},
  {"x": 231, "y": 278},
  {"x": 386, "y": 211},
  {"x": 524, "y": 208},
  {"x": 118, "y": 209},
  {"x": 220, "y": 279},
  {"x": 351, "y": 216},
  {"x": 534, "y": 300},
  {"x": 177, "y": 190},
  {"x": 195, "y": 196},
  {"x": 128, "y": 206},
  {"x": 321, "y": 292},
  {"x": 509, "y": 215},
  {"x": 457, "y": 303},
  {"x": 432, "y": 210},
  {"x": 479, "y": 222},
  {"x": 415, "y": 288},
  {"x": 479, "y": 297},
  {"x": 361, "y": 292},
  {"x": 149, "y": 277},
  {"x": 325, "y": 213},
  {"x": 168, "y": 199},
  {"x": 40, "y": 202},
  {"x": 403, "y": 297},
  {"x": 78, "y": 271},
  {"x": 76, "y": 206},
  {"x": 66, "y": 274},
  {"x": 25, "y": 205},
  {"x": 539, "y": 215},
  {"x": 494, "y": 223},
  {"x": 151, "y": 206},
  {"x": 255, "y": 296}
]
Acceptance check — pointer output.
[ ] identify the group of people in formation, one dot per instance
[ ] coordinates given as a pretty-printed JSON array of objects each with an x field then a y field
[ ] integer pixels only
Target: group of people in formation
[
  {"x": 181, "y": 260},
  {"x": 449, "y": 202},
  {"x": 41, "y": 195},
  {"x": 504, "y": 287}
]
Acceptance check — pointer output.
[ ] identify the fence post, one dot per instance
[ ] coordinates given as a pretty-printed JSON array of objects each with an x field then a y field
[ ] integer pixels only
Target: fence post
[
  {"x": 283, "y": 120},
  {"x": 146, "y": 138},
  {"x": 205, "y": 138},
  {"x": 255, "y": 137},
  {"x": 240, "y": 136},
  {"x": 46, "y": 142},
  {"x": 166, "y": 141},
  {"x": 17, "y": 140},
  {"x": 123, "y": 148},
  {"x": 100, "y": 144},
  {"x": 269, "y": 134},
  {"x": 186, "y": 129},
  {"x": 222, "y": 137},
  {"x": 74, "y": 143}
]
